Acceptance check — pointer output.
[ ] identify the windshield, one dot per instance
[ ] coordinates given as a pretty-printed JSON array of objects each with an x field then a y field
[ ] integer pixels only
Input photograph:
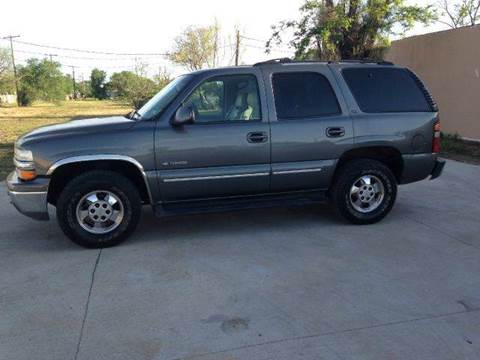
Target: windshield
[{"x": 163, "y": 98}]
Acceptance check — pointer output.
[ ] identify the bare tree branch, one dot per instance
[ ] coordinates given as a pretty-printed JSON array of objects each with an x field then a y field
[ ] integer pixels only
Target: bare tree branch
[
  {"x": 460, "y": 14},
  {"x": 447, "y": 23},
  {"x": 474, "y": 13},
  {"x": 453, "y": 19}
]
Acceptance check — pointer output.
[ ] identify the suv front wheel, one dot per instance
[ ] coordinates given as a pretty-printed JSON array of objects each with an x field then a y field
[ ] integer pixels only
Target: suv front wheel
[
  {"x": 99, "y": 209},
  {"x": 364, "y": 191}
]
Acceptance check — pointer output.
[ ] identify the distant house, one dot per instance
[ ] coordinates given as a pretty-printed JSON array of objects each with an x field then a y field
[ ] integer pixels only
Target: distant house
[
  {"x": 8, "y": 99},
  {"x": 449, "y": 63}
]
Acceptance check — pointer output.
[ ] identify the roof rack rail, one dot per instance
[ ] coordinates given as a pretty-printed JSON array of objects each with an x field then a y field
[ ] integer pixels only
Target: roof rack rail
[
  {"x": 286, "y": 60},
  {"x": 274, "y": 61},
  {"x": 364, "y": 61}
]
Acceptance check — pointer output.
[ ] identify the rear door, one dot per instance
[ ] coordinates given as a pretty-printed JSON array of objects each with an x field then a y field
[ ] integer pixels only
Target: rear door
[
  {"x": 310, "y": 126},
  {"x": 226, "y": 152}
]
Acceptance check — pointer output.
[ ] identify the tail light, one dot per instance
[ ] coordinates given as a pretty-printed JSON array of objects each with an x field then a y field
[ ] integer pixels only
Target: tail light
[{"x": 436, "y": 138}]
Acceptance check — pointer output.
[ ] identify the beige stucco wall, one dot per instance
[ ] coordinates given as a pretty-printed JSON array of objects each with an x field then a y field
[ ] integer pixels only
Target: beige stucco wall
[{"x": 449, "y": 63}]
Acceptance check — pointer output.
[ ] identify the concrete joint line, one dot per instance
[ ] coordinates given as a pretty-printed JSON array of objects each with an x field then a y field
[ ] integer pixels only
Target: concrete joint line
[
  {"x": 84, "y": 320},
  {"x": 442, "y": 232}
]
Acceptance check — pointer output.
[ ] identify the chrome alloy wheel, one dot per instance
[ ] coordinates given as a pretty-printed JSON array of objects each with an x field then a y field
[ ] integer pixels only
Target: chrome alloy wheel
[
  {"x": 367, "y": 193},
  {"x": 100, "y": 212}
]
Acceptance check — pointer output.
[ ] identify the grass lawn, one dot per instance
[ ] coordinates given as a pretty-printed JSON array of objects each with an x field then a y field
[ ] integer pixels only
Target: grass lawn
[
  {"x": 453, "y": 147},
  {"x": 15, "y": 121}
]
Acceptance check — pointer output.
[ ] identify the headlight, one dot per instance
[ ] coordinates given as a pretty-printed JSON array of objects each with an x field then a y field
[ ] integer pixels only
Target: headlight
[
  {"x": 23, "y": 160},
  {"x": 23, "y": 155}
]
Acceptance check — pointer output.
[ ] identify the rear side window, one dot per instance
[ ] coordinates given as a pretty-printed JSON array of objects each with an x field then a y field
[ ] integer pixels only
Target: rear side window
[
  {"x": 379, "y": 90},
  {"x": 300, "y": 95}
]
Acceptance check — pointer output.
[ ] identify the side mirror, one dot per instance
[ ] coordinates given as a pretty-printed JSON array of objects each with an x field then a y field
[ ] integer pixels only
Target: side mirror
[{"x": 184, "y": 115}]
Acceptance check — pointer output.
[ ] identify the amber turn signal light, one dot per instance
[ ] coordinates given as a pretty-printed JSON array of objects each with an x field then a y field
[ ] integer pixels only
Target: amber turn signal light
[{"x": 27, "y": 174}]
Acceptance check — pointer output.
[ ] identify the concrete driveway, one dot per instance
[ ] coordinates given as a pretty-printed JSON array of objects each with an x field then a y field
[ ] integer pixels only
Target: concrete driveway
[{"x": 266, "y": 284}]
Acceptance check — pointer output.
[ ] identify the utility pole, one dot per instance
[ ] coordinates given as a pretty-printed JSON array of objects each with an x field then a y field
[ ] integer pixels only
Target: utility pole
[
  {"x": 73, "y": 80},
  {"x": 51, "y": 56},
  {"x": 237, "y": 47},
  {"x": 13, "y": 63}
]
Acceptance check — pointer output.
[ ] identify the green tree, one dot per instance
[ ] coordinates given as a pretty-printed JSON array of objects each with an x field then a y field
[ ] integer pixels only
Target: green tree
[
  {"x": 196, "y": 47},
  {"x": 6, "y": 72},
  {"x": 97, "y": 83},
  {"x": 84, "y": 88},
  {"x": 42, "y": 80},
  {"x": 462, "y": 13},
  {"x": 349, "y": 29},
  {"x": 131, "y": 87},
  {"x": 162, "y": 78}
]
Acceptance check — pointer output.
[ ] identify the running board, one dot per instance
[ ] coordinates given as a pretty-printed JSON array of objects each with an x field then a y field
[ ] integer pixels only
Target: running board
[{"x": 238, "y": 203}]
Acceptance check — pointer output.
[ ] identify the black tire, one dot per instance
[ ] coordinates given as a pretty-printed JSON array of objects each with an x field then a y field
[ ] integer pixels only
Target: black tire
[
  {"x": 93, "y": 181},
  {"x": 348, "y": 176}
]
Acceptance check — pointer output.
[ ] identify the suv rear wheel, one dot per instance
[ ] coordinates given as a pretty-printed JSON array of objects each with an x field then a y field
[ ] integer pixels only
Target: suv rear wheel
[
  {"x": 364, "y": 191},
  {"x": 99, "y": 209}
]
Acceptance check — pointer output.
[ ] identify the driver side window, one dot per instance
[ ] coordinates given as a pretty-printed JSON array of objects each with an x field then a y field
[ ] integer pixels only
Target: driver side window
[
  {"x": 207, "y": 101},
  {"x": 226, "y": 98}
]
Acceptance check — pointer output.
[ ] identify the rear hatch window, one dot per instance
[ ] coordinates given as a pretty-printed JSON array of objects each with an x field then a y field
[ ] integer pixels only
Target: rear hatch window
[{"x": 379, "y": 90}]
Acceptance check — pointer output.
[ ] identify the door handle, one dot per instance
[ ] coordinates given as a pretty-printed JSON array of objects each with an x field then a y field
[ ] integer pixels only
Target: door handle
[
  {"x": 335, "y": 131},
  {"x": 257, "y": 137}
]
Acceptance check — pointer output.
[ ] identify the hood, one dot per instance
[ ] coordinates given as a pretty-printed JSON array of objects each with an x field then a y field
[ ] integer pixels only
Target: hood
[{"x": 73, "y": 127}]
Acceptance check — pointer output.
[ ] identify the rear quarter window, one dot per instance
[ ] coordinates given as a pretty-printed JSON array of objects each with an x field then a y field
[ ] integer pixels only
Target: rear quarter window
[{"x": 379, "y": 90}]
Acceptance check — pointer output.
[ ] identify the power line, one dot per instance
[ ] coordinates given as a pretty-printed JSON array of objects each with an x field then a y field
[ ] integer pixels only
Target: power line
[
  {"x": 286, "y": 48},
  {"x": 226, "y": 46},
  {"x": 272, "y": 49},
  {"x": 86, "y": 57},
  {"x": 88, "y": 66},
  {"x": 88, "y": 51},
  {"x": 51, "y": 56},
  {"x": 152, "y": 55},
  {"x": 82, "y": 66},
  {"x": 103, "y": 58},
  {"x": 253, "y": 39},
  {"x": 235, "y": 46}
]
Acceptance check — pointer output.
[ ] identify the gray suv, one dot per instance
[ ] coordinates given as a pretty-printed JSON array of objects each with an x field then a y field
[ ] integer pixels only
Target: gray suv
[{"x": 277, "y": 132}]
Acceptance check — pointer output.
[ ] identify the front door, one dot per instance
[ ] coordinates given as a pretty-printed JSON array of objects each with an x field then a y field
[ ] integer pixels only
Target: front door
[{"x": 226, "y": 151}]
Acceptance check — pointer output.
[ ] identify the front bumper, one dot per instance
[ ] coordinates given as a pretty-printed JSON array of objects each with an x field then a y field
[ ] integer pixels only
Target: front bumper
[{"x": 29, "y": 198}]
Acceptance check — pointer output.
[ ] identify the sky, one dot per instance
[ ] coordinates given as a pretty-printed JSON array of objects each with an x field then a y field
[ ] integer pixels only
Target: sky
[{"x": 142, "y": 26}]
